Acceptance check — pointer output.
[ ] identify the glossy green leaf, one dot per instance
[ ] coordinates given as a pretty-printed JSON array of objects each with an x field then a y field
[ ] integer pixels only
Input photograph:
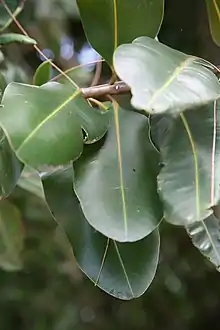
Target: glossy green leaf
[
  {"x": 10, "y": 167},
  {"x": 11, "y": 237},
  {"x": 110, "y": 23},
  {"x": 115, "y": 180},
  {"x": 163, "y": 79},
  {"x": 44, "y": 124},
  {"x": 42, "y": 74},
  {"x": 112, "y": 266},
  {"x": 8, "y": 38},
  {"x": 213, "y": 8},
  {"x": 205, "y": 236},
  {"x": 5, "y": 18},
  {"x": 189, "y": 179}
]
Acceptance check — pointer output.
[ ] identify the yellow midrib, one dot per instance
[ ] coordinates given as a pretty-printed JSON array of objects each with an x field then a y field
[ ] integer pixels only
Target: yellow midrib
[
  {"x": 120, "y": 166},
  {"x": 51, "y": 115},
  {"x": 175, "y": 74},
  {"x": 217, "y": 9},
  {"x": 115, "y": 24}
]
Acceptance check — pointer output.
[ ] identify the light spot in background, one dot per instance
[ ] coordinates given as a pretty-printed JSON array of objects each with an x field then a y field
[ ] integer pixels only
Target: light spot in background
[
  {"x": 66, "y": 48},
  {"x": 48, "y": 53},
  {"x": 87, "y": 314},
  {"x": 88, "y": 54}
]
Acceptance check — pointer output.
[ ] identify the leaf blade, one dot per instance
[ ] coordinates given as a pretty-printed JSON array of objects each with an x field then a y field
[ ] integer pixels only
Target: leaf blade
[
  {"x": 213, "y": 8},
  {"x": 120, "y": 172},
  {"x": 10, "y": 167},
  {"x": 175, "y": 81},
  {"x": 189, "y": 180},
  {"x": 205, "y": 237},
  {"x": 97, "y": 258},
  {"x": 50, "y": 116},
  {"x": 12, "y": 236},
  {"x": 106, "y": 20}
]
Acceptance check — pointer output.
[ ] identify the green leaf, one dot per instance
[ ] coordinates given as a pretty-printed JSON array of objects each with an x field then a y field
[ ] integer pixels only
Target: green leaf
[
  {"x": 190, "y": 178},
  {"x": 8, "y": 38},
  {"x": 205, "y": 236},
  {"x": 42, "y": 74},
  {"x": 110, "y": 23},
  {"x": 213, "y": 8},
  {"x": 30, "y": 181},
  {"x": 115, "y": 180},
  {"x": 163, "y": 79},
  {"x": 10, "y": 167},
  {"x": 5, "y": 19},
  {"x": 114, "y": 267},
  {"x": 44, "y": 124},
  {"x": 11, "y": 237}
]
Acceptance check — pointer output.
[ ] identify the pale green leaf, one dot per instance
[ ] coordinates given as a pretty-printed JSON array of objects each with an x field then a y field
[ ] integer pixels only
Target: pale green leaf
[
  {"x": 205, "y": 236},
  {"x": 163, "y": 79},
  {"x": 8, "y": 38}
]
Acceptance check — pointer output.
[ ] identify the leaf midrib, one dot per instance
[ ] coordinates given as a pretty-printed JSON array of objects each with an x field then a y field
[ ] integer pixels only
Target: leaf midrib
[
  {"x": 46, "y": 119},
  {"x": 170, "y": 79},
  {"x": 115, "y": 24},
  {"x": 185, "y": 123},
  {"x": 217, "y": 9},
  {"x": 120, "y": 167}
]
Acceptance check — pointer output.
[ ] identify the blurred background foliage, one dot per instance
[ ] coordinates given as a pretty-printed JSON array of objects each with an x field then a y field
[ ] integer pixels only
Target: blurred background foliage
[{"x": 50, "y": 292}]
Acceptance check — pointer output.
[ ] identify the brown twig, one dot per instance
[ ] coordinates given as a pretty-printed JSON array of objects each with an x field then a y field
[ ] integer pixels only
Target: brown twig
[
  {"x": 118, "y": 88},
  {"x": 97, "y": 75}
]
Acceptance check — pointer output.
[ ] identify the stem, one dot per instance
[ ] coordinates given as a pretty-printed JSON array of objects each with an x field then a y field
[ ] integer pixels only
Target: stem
[{"x": 119, "y": 88}]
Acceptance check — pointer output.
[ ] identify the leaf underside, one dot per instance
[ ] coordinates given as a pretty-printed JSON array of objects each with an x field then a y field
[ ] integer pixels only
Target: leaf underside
[{"x": 175, "y": 81}]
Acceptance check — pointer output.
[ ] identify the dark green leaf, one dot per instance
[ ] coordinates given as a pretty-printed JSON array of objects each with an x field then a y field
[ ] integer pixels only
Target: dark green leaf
[
  {"x": 205, "y": 236},
  {"x": 44, "y": 124},
  {"x": 163, "y": 79},
  {"x": 42, "y": 74},
  {"x": 11, "y": 237},
  {"x": 10, "y": 167},
  {"x": 114, "y": 267},
  {"x": 213, "y": 8},
  {"x": 190, "y": 178},
  {"x": 8, "y": 38},
  {"x": 115, "y": 180},
  {"x": 110, "y": 23}
]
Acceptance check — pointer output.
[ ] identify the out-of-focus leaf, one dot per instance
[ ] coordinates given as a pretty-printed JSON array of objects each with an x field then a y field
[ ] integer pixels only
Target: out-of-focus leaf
[
  {"x": 213, "y": 8},
  {"x": 115, "y": 180},
  {"x": 44, "y": 124},
  {"x": 42, "y": 74},
  {"x": 205, "y": 236},
  {"x": 11, "y": 237},
  {"x": 112, "y": 266},
  {"x": 189, "y": 179},
  {"x": 8, "y": 38},
  {"x": 10, "y": 167},
  {"x": 107, "y": 23},
  {"x": 30, "y": 181},
  {"x": 5, "y": 18},
  {"x": 163, "y": 79}
]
